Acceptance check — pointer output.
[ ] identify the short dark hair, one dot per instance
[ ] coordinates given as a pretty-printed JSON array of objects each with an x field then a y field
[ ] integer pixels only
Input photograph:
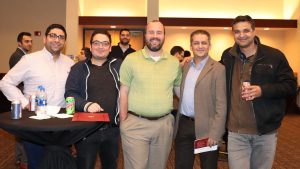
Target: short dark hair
[
  {"x": 124, "y": 29},
  {"x": 203, "y": 32},
  {"x": 187, "y": 53},
  {"x": 57, "y": 26},
  {"x": 176, "y": 49},
  {"x": 104, "y": 32},
  {"x": 244, "y": 18},
  {"x": 21, "y": 34}
]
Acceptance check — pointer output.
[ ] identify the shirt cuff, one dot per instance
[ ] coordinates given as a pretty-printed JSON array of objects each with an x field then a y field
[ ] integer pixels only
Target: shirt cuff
[{"x": 86, "y": 106}]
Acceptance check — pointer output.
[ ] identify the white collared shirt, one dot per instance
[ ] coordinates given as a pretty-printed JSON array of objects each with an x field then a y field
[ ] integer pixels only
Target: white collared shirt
[{"x": 36, "y": 69}]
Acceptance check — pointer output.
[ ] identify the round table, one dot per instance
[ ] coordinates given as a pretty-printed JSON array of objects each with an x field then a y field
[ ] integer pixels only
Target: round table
[{"x": 57, "y": 135}]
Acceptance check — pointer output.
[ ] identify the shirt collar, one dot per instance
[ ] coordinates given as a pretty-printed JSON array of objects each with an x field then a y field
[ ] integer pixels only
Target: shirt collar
[
  {"x": 146, "y": 54},
  {"x": 49, "y": 55},
  {"x": 22, "y": 50},
  {"x": 201, "y": 65}
]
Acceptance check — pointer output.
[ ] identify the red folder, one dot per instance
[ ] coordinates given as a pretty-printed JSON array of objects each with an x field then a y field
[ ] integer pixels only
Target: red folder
[
  {"x": 83, "y": 116},
  {"x": 200, "y": 143}
]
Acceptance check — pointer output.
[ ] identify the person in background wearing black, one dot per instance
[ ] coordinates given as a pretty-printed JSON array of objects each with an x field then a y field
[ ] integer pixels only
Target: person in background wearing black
[
  {"x": 187, "y": 53},
  {"x": 24, "y": 46},
  {"x": 94, "y": 83},
  {"x": 123, "y": 48}
]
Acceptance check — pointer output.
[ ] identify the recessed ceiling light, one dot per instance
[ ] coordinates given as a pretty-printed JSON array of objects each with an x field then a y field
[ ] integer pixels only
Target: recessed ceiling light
[
  {"x": 113, "y": 26},
  {"x": 183, "y": 27},
  {"x": 226, "y": 28},
  {"x": 266, "y": 29}
]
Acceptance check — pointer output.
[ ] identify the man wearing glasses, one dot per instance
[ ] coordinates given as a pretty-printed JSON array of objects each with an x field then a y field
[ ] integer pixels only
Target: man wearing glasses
[
  {"x": 48, "y": 67},
  {"x": 94, "y": 83}
]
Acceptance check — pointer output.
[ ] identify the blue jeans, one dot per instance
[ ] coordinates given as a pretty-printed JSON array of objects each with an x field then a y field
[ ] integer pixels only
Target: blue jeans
[
  {"x": 251, "y": 151},
  {"x": 35, "y": 153}
]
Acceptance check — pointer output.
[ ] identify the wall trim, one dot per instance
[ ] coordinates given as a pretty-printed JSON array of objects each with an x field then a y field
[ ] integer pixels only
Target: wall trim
[{"x": 205, "y": 22}]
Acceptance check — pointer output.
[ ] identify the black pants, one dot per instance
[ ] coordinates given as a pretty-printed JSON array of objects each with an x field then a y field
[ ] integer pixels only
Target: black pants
[
  {"x": 184, "y": 148},
  {"x": 105, "y": 142}
]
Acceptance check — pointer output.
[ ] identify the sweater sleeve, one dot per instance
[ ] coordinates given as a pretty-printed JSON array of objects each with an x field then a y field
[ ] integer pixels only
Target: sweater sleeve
[{"x": 73, "y": 87}]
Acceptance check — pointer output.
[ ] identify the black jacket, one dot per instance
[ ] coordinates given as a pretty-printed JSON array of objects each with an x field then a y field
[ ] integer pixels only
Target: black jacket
[
  {"x": 273, "y": 74},
  {"x": 76, "y": 85},
  {"x": 15, "y": 57},
  {"x": 117, "y": 52}
]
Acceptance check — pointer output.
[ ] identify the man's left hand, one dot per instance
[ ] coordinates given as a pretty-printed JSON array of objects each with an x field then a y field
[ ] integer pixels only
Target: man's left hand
[
  {"x": 211, "y": 142},
  {"x": 251, "y": 92}
]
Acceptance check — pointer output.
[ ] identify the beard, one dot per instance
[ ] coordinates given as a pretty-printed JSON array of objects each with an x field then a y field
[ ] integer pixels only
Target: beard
[
  {"x": 245, "y": 44},
  {"x": 124, "y": 42},
  {"x": 152, "y": 47}
]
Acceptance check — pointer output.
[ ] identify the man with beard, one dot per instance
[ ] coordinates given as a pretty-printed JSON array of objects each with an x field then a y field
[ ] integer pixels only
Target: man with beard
[
  {"x": 24, "y": 46},
  {"x": 259, "y": 79},
  {"x": 47, "y": 67},
  {"x": 148, "y": 77},
  {"x": 123, "y": 48}
]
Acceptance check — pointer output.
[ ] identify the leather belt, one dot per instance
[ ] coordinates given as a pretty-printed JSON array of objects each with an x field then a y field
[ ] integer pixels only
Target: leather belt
[
  {"x": 187, "y": 117},
  {"x": 148, "y": 118}
]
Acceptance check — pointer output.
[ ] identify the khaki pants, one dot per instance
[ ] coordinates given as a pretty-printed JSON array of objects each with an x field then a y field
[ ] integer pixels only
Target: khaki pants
[{"x": 146, "y": 143}]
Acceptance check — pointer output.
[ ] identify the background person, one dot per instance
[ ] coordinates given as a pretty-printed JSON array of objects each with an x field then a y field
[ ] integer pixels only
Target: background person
[
  {"x": 123, "y": 48},
  {"x": 24, "y": 40}
]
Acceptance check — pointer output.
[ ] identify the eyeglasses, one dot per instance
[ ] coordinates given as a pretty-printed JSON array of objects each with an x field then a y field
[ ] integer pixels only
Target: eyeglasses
[
  {"x": 98, "y": 43},
  {"x": 54, "y": 36}
]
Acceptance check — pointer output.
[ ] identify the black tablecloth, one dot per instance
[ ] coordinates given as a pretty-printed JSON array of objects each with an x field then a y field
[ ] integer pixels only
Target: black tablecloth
[{"x": 55, "y": 134}]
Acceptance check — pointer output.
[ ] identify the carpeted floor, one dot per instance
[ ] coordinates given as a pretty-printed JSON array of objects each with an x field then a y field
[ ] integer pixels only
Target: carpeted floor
[{"x": 287, "y": 155}]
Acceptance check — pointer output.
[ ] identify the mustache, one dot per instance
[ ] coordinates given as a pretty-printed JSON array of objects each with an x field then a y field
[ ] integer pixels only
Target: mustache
[{"x": 155, "y": 39}]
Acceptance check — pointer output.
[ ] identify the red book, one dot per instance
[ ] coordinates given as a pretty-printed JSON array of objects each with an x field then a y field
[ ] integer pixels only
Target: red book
[
  {"x": 200, "y": 146},
  {"x": 83, "y": 116}
]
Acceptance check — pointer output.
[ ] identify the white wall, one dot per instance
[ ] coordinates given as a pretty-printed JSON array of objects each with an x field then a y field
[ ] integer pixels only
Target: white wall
[
  {"x": 113, "y": 8},
  {"x": 26, "y": 15},
  {"x": 269, "y": 9},
  {"x": 291, "y": 43}
]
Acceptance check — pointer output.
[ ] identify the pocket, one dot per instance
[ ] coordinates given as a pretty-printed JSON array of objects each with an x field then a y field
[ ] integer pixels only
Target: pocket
[
  {"x": 264, "y": 69},
  {"x": 124, "y": 122}
]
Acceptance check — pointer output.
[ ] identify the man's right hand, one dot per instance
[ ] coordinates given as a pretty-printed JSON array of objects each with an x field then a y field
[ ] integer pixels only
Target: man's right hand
[
  {"x": 94, "y": 107},
  {"x": 26, "y": 107},
  {"x": 123, "y": 116}
]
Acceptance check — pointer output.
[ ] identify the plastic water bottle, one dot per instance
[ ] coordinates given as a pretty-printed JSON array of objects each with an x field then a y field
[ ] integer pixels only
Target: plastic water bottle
[{"x": 41, "y": 101}]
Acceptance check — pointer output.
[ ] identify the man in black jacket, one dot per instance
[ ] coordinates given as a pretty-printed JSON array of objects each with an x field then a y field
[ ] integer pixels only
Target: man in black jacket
[
  {"x": 24, "y": 46},
  {"x": 94, "y": 83},
  {"x": 123, "y": 48},
  {"x": 259, "y": 79}
]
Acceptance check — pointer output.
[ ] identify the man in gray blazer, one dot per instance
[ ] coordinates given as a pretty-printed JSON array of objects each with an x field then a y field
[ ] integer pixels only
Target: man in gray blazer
[{"x": 202, "y": 108}]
